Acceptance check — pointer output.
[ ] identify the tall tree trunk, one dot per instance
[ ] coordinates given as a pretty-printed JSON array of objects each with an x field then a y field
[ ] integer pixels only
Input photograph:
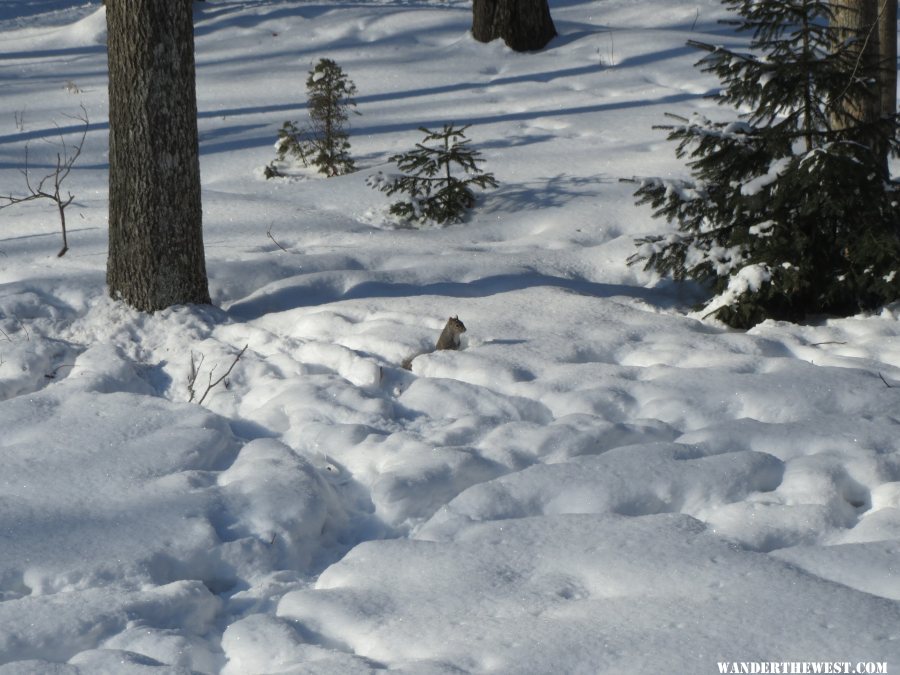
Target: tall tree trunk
[
  {"x": 857, "y": 22},
  {"x": 524, "y": 25},
  {"x": 887, "y": 53},
  {"x": 156, "y": 256}
]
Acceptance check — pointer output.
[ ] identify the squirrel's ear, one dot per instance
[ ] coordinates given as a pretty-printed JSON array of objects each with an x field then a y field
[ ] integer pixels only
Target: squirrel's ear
[{"x": 455, "y": 317}]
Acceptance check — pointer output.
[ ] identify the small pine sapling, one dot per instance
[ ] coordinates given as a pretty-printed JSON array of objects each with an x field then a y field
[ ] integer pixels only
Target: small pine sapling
[
  {"x": 432, "y": 191},
  {"x": 324, "y": 142},
  {"x": 288, "y": 144}
]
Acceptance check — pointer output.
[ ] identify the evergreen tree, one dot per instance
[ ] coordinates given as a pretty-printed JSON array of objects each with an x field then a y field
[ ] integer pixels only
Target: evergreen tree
[
  {"x": 787, "y": 213},
  {"x": 433, "y": 192},
  {"x": 324, "y": 143}
]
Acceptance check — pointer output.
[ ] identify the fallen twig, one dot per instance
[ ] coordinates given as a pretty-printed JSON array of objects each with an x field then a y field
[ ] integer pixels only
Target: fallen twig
[
  {"x": 270, "y": 236},
  {"x": 52, "y": 374}
]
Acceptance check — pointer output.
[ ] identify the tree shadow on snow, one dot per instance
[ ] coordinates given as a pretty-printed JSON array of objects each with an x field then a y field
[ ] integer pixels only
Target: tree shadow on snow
[
  {"x": 400, "y": 127},
  {"x": 664, "y": 296},
  {"x": 53, "y": 134},
  {"x": 65, "y": 54},
  {"x": 541, "y": 77},
  {"x": 552, "y": 192},
  {"x": 487, "y": 82},
  {"x": 211, "y": 17}
]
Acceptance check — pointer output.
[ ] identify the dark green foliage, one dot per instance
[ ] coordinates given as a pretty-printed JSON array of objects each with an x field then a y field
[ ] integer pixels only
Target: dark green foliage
[
  {"x": 324, "y": 143},
  {"x": 788, "y": 212},
  {"x": 432, "y": 192}
]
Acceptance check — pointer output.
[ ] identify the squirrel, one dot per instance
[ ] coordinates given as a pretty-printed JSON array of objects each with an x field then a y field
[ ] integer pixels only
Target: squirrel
[{"x": 449, "y": 339}]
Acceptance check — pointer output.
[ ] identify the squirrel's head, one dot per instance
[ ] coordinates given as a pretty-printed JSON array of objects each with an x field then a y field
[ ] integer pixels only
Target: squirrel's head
[{"x": 458, "y": 325}]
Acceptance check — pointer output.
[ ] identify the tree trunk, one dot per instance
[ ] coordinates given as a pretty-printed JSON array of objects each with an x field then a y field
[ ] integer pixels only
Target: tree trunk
[
  {"x": 524, "y": 25},
  {"x": 156, "y": 256},
  {"x": 857, "y": 22},
  {"x": 887, "y": 53}
]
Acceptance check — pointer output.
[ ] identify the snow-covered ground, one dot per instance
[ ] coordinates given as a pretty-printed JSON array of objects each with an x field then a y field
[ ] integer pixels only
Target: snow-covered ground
[{"x": 598, "y": 482}]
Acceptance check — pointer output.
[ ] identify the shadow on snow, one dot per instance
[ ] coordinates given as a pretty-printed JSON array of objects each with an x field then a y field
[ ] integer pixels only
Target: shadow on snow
[{"x": 303, "y": 295}]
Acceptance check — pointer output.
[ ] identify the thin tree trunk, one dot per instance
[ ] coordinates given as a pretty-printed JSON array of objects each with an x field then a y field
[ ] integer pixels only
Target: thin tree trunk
[
  {"x": 156, "y": 256},
  {"x": 524, "y": 25}
]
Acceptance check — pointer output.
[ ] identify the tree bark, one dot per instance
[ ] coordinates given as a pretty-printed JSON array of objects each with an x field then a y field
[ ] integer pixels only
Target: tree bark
[
  {"x": 887, "y": 53},
  {"x": 524, "y": 25},
  {"x": 857, "y": 22},
  {"x": 156, "y": 256}
]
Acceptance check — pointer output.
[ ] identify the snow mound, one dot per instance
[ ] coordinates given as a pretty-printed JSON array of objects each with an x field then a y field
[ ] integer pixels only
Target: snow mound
[
  {"x": 582, "y": 593},
  {"x": 595, "y": 482},
  {"x": 123, "y": 538},
  {"x": 91, "y": 30}
]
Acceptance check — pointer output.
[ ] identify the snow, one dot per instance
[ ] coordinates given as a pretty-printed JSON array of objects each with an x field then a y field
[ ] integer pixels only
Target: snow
[
  {"x": 597, "y": 481},
  {"x": 748, "y": 279},
  {"x": 756, "y": 185}
]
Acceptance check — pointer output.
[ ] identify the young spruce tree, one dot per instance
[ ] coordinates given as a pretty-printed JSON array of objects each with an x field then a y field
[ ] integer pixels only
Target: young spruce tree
[
  {"x": 324, "y": 143},
  {"x": 433, "y": 192},
  {"x": 789, "y": 211}
]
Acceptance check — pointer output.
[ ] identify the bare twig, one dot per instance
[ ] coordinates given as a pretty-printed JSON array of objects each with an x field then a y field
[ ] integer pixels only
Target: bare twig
[
  {"x": 192, "y": 376},
  {"x": 270, "y": 236},
  {"x": 211, "y": 384},
  {"x": 827, "y": 342},
  {"x": 610, "y": 53},
  {"x": 889, "y": 386},
  {"x": 24, "y": 329},
  {"x": 65, "y": 160}
]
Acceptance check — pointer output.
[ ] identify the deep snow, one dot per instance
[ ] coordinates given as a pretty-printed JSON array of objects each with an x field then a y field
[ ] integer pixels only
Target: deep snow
[{"x": 599, "y": 481}]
